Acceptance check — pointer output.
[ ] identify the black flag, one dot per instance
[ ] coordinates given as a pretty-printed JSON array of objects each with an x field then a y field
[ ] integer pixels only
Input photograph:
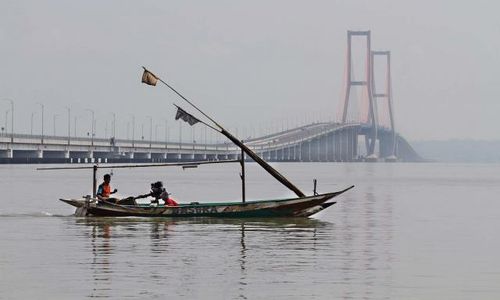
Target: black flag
[{"x": 182, "y": 114}]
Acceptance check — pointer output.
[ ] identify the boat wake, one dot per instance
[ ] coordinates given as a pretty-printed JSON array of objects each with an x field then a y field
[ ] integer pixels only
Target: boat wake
[{"x": 42, "y": 214}]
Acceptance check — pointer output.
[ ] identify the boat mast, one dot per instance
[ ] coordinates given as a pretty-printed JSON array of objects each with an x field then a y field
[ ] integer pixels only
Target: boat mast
[
  {"x": 242, "y": 175},
  {"x": 94, "y": 181}
]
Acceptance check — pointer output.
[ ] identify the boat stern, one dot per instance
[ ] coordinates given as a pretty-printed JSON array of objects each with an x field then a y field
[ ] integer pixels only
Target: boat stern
[
  {"x": 80, "y": 204},
  {"x": 74, "y": 202}
]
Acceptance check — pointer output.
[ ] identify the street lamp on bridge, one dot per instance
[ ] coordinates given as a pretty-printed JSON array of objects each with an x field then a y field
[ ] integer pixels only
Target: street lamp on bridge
[
  {"x": 75, "y": 118},
  {"x": 150, "y": 130},
  {"x": 42, "y": 106},
  {"x": 133, "y": 131},
  {"x": 69, "y": 123},
  {"x": 92, "y": 126},
  {"x": 114, "y": 126},
  {"x": 32, "y": 115},
  {"x": 6, "y": 119},
  {"x": 166, "y": 132},
  {"x": 55, "y": 117},
  {"x": 156, "y": 131},
  {"x": 12, "y": 118}
]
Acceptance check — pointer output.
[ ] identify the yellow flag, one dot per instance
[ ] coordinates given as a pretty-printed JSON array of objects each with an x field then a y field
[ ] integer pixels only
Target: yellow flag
[{"x": 149, "y": 78}]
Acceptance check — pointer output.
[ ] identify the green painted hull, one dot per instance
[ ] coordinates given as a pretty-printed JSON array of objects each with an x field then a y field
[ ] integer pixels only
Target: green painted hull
[{"x": 294, "y": 207}]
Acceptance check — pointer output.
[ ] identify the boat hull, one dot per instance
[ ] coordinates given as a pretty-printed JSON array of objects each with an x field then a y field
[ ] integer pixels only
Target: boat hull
[{"x": 295, "y": 207}]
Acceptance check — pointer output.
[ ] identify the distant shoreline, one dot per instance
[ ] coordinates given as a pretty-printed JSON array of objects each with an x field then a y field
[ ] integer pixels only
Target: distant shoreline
[{"x": 460, "y": 151}]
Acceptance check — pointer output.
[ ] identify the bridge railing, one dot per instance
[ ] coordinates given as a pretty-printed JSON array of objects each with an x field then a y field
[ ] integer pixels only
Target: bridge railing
[{"x": 271, "y": 142}]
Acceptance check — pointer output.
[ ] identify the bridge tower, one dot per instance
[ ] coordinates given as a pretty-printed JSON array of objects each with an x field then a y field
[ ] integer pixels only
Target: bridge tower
[
  {"x": 367, "y": 82},
  {"x": 386, "y": 94}
]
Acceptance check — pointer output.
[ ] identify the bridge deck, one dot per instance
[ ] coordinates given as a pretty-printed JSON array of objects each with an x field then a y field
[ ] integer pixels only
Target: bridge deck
[{"x": 313, "y": 142}]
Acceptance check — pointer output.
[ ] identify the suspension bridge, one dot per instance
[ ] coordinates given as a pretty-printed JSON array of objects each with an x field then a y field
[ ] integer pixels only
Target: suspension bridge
[{"x": 365, "y": 131}]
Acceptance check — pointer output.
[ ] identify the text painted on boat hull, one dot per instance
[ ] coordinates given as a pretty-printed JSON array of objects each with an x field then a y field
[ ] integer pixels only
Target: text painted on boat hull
[{"x": 194, "y": 210}]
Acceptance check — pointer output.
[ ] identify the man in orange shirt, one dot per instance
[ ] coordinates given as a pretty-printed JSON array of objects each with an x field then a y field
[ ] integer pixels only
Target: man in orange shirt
[{"x": 104, "y": 190}]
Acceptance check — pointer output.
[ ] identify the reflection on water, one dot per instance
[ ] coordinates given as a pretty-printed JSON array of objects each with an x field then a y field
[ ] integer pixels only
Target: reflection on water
[
  {"x": 366, "y": 243},
  {"x": 407, "y": 231},
  {"x": 212, "y": 258},
  {"x": 158, "y": 245},
  {"x": 242, "y": 283},
  {"x": 159, "y": 252},
  {"x": 101, "y": 253}
]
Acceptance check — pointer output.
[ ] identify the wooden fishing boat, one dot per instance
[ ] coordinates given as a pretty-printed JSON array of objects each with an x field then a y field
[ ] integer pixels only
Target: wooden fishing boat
[
  {"x": 302, "y": 206},
  {"x": 293, "y": 207}
]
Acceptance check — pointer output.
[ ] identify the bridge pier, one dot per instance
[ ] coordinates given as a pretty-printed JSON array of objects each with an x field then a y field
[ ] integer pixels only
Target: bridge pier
[
  {"x": 387, "y": 151},
  {"x": 305, "y": 151},
  {"x": 299, "y": 152},
  {"x": 142, "y": 156},
  {"x": 352, "y": 137},
  {"x": 324, "y": 148},
  {"x": 314, "y": 149},
  {"x": 7, "y": 153},
  {"x": 187, "y": 156},
  {"x": 337, "y": 148},
  {"x": 272, "y": 155},
  {"x": 173, "y": 156},
  {"x": 211, "y": 156},
  {"x": 200, "y": 157},
  {"x": 355, "y": 144},
  {"x": 103, "y": 157},
  {"x": 319, "y": 149},
  {"x": 291, "y": 153},
  {"x": 55, "y": 154},
  {"x": 266, "y": 156},
  {"x": 28, "y": 154},
  {"x": 78, "y": 154},
  {"x": 331, "y": 148},
  {"x": 157, "y": 157},
  {"x": 309, "y": 150},
  {"x": 279, "y": 154},
  {"x": 386, "y": 147},
  {"x": 345, "y": 146}
]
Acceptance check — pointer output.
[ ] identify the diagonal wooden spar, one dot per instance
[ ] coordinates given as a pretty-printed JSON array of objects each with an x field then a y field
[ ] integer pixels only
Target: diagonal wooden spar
[
  {"x": 277, "y": 175},
  {"x": 188, "y": 164}
]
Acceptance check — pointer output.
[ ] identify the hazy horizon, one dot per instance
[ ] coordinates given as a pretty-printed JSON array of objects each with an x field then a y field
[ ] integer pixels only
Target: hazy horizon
[{"x": 253, "y": 66}]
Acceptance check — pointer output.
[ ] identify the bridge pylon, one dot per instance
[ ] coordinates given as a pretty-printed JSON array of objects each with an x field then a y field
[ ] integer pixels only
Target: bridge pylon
[
  {"x": 385, "y": 94},
  {"x": 367, "y": 83}
]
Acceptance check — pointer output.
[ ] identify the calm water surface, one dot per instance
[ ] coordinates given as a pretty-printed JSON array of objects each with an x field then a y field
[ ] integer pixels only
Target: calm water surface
[{"x": 407, "y": 231}]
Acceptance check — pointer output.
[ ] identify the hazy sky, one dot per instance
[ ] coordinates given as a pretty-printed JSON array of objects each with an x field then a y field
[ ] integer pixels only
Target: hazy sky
[{"x": 251, "y": 64}]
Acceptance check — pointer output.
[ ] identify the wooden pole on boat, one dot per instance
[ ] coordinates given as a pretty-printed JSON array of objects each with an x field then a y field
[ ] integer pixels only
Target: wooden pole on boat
[
  {"x": 94, "y": 182},
  {"x": 277, "y": 175},
  {"x": 242, "y": 175},
  {"x": 264, "y": 164}
]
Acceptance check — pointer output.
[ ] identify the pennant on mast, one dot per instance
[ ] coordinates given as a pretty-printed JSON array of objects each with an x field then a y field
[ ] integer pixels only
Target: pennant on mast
[
  {"x": 149, "y": 78},
  {"x": 186, "y": 117}
]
